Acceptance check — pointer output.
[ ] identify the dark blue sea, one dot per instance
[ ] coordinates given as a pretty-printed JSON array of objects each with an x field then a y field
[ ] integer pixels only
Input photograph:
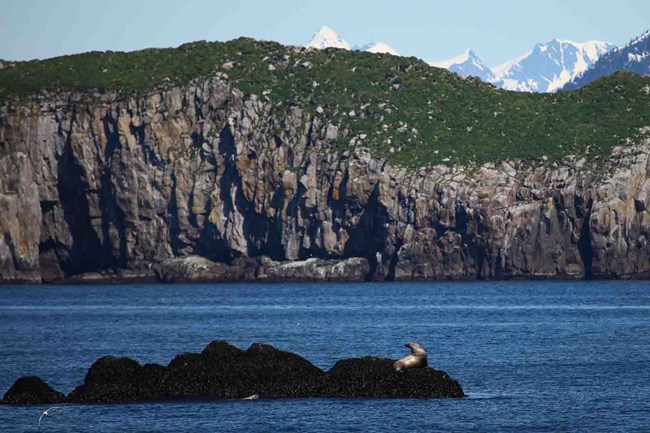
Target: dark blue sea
[{"x": 531, "y": 356}]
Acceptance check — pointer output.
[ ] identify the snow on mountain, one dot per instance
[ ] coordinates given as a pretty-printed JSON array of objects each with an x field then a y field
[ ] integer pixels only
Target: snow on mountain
[
  {"x": 631, "y": 57},
  {"x": 326, "y": 38},
  {"x": 465, "y": 65},
  {"x": 379, "y": 47},
  {"x": 549, "y": 66}
]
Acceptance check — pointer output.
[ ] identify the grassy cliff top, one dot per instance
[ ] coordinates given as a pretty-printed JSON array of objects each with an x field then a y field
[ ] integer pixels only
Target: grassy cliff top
[{"x": 403, "y": 108}]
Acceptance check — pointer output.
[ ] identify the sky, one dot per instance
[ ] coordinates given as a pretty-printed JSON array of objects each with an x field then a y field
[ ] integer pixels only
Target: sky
[{"x": 497, "y": 30}]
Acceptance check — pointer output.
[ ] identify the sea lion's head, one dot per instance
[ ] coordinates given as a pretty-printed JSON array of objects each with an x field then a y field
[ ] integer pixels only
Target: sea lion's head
[{"x": 416, "y": 348}]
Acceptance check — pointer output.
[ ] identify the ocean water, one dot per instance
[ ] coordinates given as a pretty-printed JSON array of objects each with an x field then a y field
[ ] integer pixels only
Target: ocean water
[{"x": 532, "y": 356}]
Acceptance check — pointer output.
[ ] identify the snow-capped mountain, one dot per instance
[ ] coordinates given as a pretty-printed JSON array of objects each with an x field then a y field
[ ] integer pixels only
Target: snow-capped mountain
[
  {"x": 632, "y": 57},
  {"x": 465, "y": 65},
  {"x": 379, "y": 47},
  {"x": 326, "y": 38},
  {"x": 549, "y": 66}
]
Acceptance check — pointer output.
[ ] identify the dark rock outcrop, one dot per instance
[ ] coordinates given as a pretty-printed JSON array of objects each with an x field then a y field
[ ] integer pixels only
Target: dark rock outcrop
[
  {"x": 224, "y": 371},
  {"x": 32, "y": 390},
  {"x": 374, "y": 377},
  {"x": 111, "y": 379}
]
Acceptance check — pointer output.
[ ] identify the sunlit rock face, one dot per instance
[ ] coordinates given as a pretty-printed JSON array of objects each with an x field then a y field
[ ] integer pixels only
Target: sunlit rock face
[{"x": 114, "y": 185}]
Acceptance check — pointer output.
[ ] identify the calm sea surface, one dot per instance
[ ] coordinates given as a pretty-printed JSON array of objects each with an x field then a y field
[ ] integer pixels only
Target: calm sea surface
[{"x": 532, "y": 356}]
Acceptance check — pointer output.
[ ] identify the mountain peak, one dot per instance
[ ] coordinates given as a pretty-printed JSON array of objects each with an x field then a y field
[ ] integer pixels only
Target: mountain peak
[
  {"x": 446, "y": 64},
  {"x": 466, "y": 64},
  {"x": 631, "y": 57},
  {"x": 550, "y": 65},
  {"x": 642, "y": 37},
  {"x": 379, "y": 47},
  {"x": 326, "y": 38}
]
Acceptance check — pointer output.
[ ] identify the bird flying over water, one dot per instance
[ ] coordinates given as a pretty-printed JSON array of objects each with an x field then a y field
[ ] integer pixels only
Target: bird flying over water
[{"x": 47, "y": 412}]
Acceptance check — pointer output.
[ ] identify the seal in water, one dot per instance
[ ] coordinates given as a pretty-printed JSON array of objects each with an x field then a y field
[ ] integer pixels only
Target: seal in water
[{"x": 417, "y": 358}]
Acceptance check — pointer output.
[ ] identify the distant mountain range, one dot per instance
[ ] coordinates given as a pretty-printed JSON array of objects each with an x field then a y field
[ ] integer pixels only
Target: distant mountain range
[
  {"x": 548, "y": 67},
  {"x": 327, "y": 37},
  {"x": 631, "y": 57}
]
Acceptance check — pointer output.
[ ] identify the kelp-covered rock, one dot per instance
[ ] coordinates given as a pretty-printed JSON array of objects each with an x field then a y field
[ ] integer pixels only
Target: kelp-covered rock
[
  {"x": 32, "y": 390},
  {"x": 374, "y": 377},
  {"x": 224, "y": 371},
  {"x": 111, "y": 379}
]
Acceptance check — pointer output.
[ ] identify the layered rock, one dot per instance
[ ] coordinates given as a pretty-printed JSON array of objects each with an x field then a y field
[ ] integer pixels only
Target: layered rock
[
  {"x": 190, "y": 181},
  {"x": 224, "y": 371}
]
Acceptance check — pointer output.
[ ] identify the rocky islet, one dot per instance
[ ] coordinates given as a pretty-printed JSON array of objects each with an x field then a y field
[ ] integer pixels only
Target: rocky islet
[{"x": 225, "y": 371}]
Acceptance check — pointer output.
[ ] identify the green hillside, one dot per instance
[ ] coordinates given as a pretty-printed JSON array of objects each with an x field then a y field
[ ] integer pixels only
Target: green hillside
[{"x": 411, "y": 112}]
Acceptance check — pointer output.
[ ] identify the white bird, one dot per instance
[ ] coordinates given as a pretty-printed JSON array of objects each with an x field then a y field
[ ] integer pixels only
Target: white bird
[{"x": 46, "y": 413}]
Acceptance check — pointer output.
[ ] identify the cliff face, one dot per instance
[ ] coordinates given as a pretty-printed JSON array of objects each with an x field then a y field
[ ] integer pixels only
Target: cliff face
[{"x": 90, "y": 184}]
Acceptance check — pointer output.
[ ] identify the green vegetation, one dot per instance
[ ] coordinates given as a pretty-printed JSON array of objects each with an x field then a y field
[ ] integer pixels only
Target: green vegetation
[{"x": 397, "y": 106}]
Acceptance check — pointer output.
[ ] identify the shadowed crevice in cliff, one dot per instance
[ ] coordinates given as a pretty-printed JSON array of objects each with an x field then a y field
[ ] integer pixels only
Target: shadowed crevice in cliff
[
  {"x": 112, "y": 135},
  {"x": 211, "y": 242},
  {"x": 254, "y": 227},
  {"x": 112, "y": 220},
  {"x": 12, "y": 248},
  {"x": 263, "y": 236},
  {"x": 230, "y": 178},
  {"x": 113, "y": 248},
  {"x": 198, "y": 106},
  {"x": 171, "y": 216},
  {"x": 274, "y": 247},
  {"x": 52, "y": 254},
  {"x": 148, "y": 146},
  {"x": 370, "y": 236},
  {"x": 394, "y": 260},
  {"x": 584, "y": 244},
  {"x": 296, "y": 205},
  {"x": 338, "y": 206},
  {"x": 469, "y": 228},
  {"x": 84, "y": 253}
]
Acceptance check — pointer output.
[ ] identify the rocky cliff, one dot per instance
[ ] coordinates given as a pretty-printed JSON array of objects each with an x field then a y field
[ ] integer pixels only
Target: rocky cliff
[{"x": 205, "y": 182}]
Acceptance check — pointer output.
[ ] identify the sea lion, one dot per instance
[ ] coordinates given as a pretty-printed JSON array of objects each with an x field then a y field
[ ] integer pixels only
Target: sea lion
[{"x": 417, "y": 358}]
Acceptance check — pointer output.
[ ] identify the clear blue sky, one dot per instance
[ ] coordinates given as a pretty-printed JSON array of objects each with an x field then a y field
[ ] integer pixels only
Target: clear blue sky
[{"x": 497, "y": 30}]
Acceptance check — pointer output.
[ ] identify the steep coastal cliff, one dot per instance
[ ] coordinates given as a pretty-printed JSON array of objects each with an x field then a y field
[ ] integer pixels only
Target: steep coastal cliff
[{"x": 204, "y": 181}]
